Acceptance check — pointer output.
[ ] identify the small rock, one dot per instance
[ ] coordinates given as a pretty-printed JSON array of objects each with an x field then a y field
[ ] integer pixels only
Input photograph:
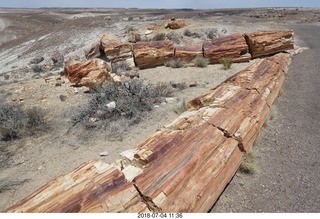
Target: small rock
[
  {"x": 104, "y": 153},
  {"x": 171, "y": 100},
  {"x": 6, "y": 77},
  {"x": 63, "y": 98},
  {"x": 148, "y": 32},
  {"x": 194, "y": 84},
  {"x": 36, "y": 60},
  {"x": 111, "y": 105}
]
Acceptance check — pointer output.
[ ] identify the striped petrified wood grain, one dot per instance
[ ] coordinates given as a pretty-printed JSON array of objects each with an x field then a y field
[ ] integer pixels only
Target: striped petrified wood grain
[
  {"x": 230, "y": 46},
  {"x": 183, "y": 167},
  {"x": 92, "y": 187},
  {"x": 269, "y": 42}
]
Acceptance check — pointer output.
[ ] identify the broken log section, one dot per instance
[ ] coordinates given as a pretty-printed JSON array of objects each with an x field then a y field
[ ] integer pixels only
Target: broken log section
[{"x": 183, "y": 167}]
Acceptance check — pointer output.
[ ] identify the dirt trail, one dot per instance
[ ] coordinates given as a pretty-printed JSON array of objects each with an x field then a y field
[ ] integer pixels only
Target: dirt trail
[{"x": 289, "y": 148}]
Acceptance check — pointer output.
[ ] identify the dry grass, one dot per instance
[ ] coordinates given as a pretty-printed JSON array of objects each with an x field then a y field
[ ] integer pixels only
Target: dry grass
[
  {"x": 175, "y": 63},
  {"x": 226, "y": 63},
  {"x": 248, "y": 165},
  {"x": 200, "y": 62}
]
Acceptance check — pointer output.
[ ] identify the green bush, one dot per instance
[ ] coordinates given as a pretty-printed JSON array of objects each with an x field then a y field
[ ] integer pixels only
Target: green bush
[
  {"x": 175, "y": 63},
  {"x": 200, "y": 62},
  {"x": 226, "y": 62}
]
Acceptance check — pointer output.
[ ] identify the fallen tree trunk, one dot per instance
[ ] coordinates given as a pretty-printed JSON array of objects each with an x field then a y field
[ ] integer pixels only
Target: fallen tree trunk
[
  {"x": 269, "y": 42},
  {"x": 92, "y": 187},
  {"x": 231, "y": 46}
]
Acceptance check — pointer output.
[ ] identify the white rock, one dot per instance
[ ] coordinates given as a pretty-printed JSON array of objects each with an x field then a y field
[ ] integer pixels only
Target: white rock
[
  {"x": 171, "y": 99},
  {"x": 111, "y": 105},
  {"x": 104, "y": 153},
  {"x": 148, "y": 32}
]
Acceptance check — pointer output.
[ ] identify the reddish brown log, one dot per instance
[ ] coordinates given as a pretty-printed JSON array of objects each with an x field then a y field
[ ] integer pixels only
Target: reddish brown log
[
  {"x": 92, "y": 187},
  {"x": 90, "y": 73},
  {"x": 188, "y": 53},
  {"x": 232, "y": 46},
  {"x": 188, "y": 172},
  {"x": 269, "y": 42},
  {"x": 152, "y": 54}
]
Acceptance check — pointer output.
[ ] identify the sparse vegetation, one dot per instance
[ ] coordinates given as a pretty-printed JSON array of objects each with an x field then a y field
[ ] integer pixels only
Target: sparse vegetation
[
  {"x": 131, "y": 28},
  {"x": 121, "y": 66},
  {"x": 16, "y": 122},
  {"x": 226, "y": 62},
  {"x": 120, "y": 103},
  {"x": 248, "y": 164},
  {"x": 175, "y": 63},
  {"x": 174, "y": 37},
  {"x": 159, "y": 37},
  {"x": 38, "y": 68},
  {"x": 212, "y": 33},
  {"x": 187, "y": 32},
  {"x": 200, "y": 62}
]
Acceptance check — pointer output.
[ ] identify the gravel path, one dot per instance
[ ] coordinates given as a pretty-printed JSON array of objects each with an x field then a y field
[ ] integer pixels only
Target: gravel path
[{"x": 288, "y": 152}]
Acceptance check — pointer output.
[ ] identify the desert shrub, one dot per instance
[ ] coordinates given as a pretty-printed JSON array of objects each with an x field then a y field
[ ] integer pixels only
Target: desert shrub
[
  {"x": 212, "y": 33},
  {"x": 131, "y": 28},
  {"x": 121, "y": 66},
  {"x": 38, "y": 68},
  {"x": 175, "y": 63},
  {"x": 15, "y": 121},
  {"x": 127, "y": 102},
  {"x": 159, "y": 36},
  {"x": 248, "y": 164},
  {"x": 179, "y": 85},
  {"x": 174, "y": 37},
  {"x": 200, "y": 61},
  {"x": 187, "y": 32},
  {"x": 226, "y": 62}
]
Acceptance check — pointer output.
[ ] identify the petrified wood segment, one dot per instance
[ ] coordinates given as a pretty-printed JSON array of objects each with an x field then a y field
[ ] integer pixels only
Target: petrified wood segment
[
  {"x": 269, "y": 42},
  {"x": 152, "y": 54},
  {"x": 232, "y": 46},
  {"x": 188, "y": 53},
  {"x": 90, "y": 73},
  {"x": 92, "y": 187},
  {"x": 198, "y": 164}
]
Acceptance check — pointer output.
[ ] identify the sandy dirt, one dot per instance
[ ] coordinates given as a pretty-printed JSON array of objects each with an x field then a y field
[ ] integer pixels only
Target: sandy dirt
[{"x": 25, "y": 34}]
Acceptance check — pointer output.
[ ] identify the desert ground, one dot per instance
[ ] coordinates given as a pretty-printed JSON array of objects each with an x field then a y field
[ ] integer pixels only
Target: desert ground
[{"x": 286, "y": 155}]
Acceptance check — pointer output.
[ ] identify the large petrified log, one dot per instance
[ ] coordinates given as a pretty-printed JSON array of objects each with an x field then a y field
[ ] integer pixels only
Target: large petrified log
[
  {"x": 188, "y": 53},
  {"x": 186, "y": 171},
  {"x": 231, "y": 46},
  {"x": 269, "y": 42},
  {"x": 90, "y": 73},
  {"x": 152, "y": 54},
  {"x": 92, "y": 187}
]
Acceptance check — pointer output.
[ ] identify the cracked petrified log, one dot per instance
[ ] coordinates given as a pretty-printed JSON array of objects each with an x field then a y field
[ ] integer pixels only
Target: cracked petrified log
[
  {"x": 152, "y": 54},
  {"x": 232, "y": 46},
  {"x": 269, "y": 42},
  {"x": 90, "y": 73},
  {"x": 188, "y": 53},
  {"x": 92, "y": 187}
]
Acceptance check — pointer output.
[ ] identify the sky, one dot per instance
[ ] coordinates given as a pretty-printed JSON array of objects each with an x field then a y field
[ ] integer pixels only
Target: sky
[{"x": 196, "y": 4}]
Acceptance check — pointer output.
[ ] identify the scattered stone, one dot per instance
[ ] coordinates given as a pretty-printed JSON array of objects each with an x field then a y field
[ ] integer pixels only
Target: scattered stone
[
  {"x": 63, "y": 98},
  {"x": 94, "y": 51},
  {"x": 194, "y": 84},
  {"x": 134, "y": 37},
  {"x": 36, "y": 60},
  {"x": 171, "y": 99},
  {"x": 57, "y": 59},
  {"x": 111, "y": 105},
  {"x": 104, "y": 153},
  {"x": 148, "y": 32}
]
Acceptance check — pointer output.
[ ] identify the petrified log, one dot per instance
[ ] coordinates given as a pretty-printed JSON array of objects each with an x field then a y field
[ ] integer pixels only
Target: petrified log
[
  {"x": 231, "y": 46},
  {"x": 90, "y": 73},
  {"x": 269, "y": 42},
  {"x": 92, "y": 187},
  {"x": 176, "y": 24},
  {"x": 152, "y": 54},
  {"x": 198, "y": 164},
  {"x": 188, "y": 53}
]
